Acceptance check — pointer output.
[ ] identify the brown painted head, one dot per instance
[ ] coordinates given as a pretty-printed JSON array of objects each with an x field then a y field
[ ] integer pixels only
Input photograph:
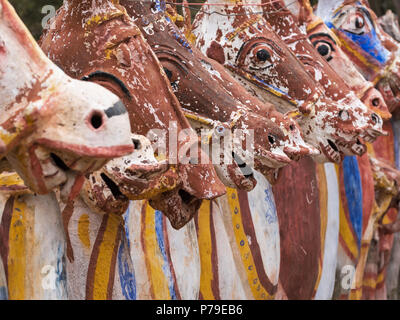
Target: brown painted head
[
  {"x": 257, "y": 56},
  {"x": 329, "y": 47},
  {"x": 215, "y": 102},
  {"x": 284, "y": 18},
  {"x": 97, "y": 41}
]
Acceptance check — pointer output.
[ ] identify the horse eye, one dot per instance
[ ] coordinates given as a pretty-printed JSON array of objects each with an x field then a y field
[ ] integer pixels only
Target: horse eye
[
  {"x": 168, "y": 73},
  {"x": 323, "y": 50},
  {"x": 359, "y": 23},
  {"x": 263, "y": 55}
]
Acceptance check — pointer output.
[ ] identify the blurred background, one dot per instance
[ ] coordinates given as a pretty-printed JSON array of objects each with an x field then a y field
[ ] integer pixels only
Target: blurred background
[{"x": 31, "y": 10}]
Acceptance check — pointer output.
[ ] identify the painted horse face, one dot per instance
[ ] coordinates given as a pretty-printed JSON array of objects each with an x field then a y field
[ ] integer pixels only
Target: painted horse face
[
  {"x": 329, "y": 47},
  {"x": 368, "y": 46},
  {"x": 97, "y": 41},
  {"x": 266, "y": 66},
  {"x": 207, "y": 92},
  {"x": 51, "y": 123},
  {"x": 133, "y": 177},
  {"x": 285, "y": 24}
]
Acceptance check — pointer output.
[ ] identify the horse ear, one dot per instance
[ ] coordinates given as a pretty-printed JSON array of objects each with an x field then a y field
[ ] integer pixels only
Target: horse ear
[
  {"x": 187, "y": 15},
  {"x": 326, "y": 8},
  {"x": 306, "y": 11},
  {"x": 11, "y": 25}
]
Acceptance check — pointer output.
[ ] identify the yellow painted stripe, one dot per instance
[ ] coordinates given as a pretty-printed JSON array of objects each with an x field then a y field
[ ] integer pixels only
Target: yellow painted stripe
[
  {"x": 83, "y": 230},
  {"x": 381, "y": 277},
  {"x": 17, "y": 252},
  {"x": 356, "y": 294},
  {"x": 369, "y": 283},
  {"x": 323, "y": 202},
  {"x": 154, "y": 257},
  {"x": 205, "y": 247},
  {"x": 370, "y": 149},
  {"x": 360, "y": 57},
  {"x": 257, "y": 289},
  {"x": 105, "y": 257}
]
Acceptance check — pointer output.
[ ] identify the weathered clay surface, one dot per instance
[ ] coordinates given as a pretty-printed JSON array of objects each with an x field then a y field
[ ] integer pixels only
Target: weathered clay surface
[
  {"x": 209, "y": 93},
  {"x": 372, "y": 50},
  {"x": 99, "y": 42},
  {"x": 47, "y": 115}
]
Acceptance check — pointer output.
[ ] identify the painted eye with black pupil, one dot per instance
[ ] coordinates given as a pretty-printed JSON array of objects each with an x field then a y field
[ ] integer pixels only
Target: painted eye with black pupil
[
  {"x": 168, "y": 73},
  {"x": 263, "y": 55},
  {"x": 359, "y": 22},
  {"x": 323, "y": 50}
]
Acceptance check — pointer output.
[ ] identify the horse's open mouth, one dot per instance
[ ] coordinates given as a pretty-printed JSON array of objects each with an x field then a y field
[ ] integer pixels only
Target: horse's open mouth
[
  {"x": 241, "y": 174},
  {"x": 113, "y": 187},
  {"x": 103, "y": 195},
  {"x": 359, "y": 148},
  {"x": 50, "y": 168},
  {"x": 178, "y": 205},
  {"x": 246, "y": 170},
  {"x": 351, "y": 148},
  {"x": 331, "y": 151}
]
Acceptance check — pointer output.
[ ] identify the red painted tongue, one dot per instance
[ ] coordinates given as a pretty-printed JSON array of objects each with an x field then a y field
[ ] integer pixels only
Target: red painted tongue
[{"x": 69, "y": 209}]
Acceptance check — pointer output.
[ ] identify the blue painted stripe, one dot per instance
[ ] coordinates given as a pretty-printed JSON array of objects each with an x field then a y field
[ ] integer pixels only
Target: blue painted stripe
[
  {"x": 3, "y": 293},
  {"x": 270, "y": 213},
  {"x": 126, "y": 224},
  {"x": 371, "y": 44},
  {"x": 353, "y": 188},
  {"x": 161, "y": 244},
  {"x": 125, "y": 271}
]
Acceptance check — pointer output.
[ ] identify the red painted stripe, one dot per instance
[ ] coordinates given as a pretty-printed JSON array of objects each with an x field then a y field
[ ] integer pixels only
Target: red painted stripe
[
  {"x": 85, "y": 151},
  {"x": 4, "y": 232},
  {"x": 254, "y": 246}
]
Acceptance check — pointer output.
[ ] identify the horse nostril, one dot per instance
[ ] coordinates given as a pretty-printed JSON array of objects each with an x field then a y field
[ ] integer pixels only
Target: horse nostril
[
  {"x": 376, "y": 102},
  {"x": 137, "y": 144},
  {"x": 271, "y": 139},
  {"x": 96, "y": 120}
]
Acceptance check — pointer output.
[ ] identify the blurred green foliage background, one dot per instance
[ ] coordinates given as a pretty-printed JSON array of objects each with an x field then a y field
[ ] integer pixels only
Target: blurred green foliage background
[{"x": 31, "y": 10}]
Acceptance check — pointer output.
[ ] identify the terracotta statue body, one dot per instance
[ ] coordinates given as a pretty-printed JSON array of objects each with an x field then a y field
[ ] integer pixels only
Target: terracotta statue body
[
  {"x": 184, "y": 74},
  {"x": 54, "y": 130},
  {"x": 324, "y": 41},
  {"x": 317, "y": 199},
  {"x": 356, "y": 25}
]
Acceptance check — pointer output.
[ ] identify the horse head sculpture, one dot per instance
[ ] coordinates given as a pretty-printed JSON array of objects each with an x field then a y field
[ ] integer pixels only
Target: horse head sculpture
[
  {"x": 373, "y": 51},
  {"x": 246, "y": 44},
  {"x": 97, "y": 41},
  {"x": 213, "y": 100},
  {"x": 329, "y": 47},
  {"x": 285, "y": 24},
  {"x": 50, "y": 123}
]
